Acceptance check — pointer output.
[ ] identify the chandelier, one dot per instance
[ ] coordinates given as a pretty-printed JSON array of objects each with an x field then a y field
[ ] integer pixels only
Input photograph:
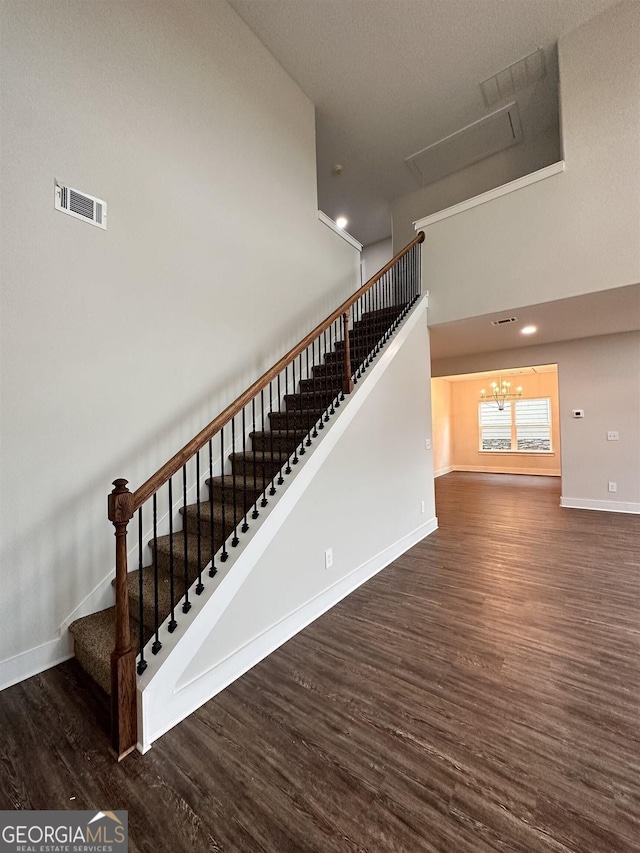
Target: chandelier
[{"x": 499, "y": 393}]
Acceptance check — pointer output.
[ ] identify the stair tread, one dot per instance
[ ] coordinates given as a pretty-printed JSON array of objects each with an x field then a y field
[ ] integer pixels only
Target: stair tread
[
  {"x": 93, "y": 638},
  {"x": 260, "y": 483},
  {"x": 148, "y": 587}
]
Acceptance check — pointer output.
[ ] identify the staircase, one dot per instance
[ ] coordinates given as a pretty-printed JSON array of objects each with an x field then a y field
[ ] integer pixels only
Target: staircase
[
  {"x": 260, "y": 438},
  {"x": 232, "y": 498}
]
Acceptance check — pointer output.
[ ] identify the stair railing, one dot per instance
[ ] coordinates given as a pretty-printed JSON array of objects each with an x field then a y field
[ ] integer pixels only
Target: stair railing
[{"x": 327, "y": 363}]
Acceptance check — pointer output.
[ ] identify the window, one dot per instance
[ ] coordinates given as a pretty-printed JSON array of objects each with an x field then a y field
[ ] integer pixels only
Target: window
[{"x": 522, "y": 426}]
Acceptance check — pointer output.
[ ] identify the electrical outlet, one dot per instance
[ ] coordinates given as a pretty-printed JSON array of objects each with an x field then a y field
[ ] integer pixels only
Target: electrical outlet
[
  {"x": 613, "y": 487},
  {"x": 427, "y": 444},
  {"x": 328, "y": 558},
  {"x": 422, "y": 506},
  {"x": 613, "y": 435}
]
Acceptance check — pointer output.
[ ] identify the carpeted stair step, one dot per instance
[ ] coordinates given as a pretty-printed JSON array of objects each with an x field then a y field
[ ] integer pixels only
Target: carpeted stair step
[
  {"x": 335, "y": 359},
  {"x": 93, "y": 642},
  {"x": 265, "y": 465},
  {"x": 309, "y": 400},
  {"x": 279, "y": 441},
  {"x": 148, "y": 595},
  {"x": 166, "y": 547},
  {"x": 246, "y": 492},
  {"x": 331, "y": 369},
  {"x": 379, "y": 317},
  {"x": 330, "y": 381},
  {"x": 306, "y": 419}
]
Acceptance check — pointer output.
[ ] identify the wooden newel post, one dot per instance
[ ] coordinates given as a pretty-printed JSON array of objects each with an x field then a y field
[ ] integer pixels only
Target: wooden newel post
[
  {"x": 347, "y": 381},
  {"x": 124, "y": 720}
]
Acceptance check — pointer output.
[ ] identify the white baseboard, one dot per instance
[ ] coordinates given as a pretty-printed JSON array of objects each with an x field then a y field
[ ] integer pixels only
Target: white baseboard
[
  {"x": 603, "y": 506},
  {"x": 33, "y": 661},
  {"x": 486, "y": 469},
  {"x": 441, "y": 471},
  {"x": 186, "y": 698}
]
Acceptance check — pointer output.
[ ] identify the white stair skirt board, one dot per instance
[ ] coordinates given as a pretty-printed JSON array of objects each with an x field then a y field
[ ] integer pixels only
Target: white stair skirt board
[
  {"x": 162, "y": 700},
  {"x": 602, "y": 506}
]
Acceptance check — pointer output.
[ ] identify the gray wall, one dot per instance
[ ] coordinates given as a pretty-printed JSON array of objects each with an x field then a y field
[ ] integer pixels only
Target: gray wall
[{"x": 119, "y": 345}]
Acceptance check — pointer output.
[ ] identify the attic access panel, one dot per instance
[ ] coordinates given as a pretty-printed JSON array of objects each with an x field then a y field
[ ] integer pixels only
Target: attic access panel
[{"x": 472, "y": 143}]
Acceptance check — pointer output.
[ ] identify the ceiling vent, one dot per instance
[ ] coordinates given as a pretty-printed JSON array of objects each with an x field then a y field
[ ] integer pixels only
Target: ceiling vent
[
  {"x": 81, "y": 206},
  {"x": 514, "y": 77},
  {"x": 474, "y": 142},
  {"x": 503, "y": 321}
]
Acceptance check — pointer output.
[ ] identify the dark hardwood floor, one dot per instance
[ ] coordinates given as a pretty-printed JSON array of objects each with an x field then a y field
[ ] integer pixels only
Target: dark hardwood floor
[{"x": 480, "y": 694}]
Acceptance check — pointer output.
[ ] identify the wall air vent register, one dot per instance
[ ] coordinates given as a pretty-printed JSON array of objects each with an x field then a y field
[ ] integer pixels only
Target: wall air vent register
[{"x": 81, "y": 206}]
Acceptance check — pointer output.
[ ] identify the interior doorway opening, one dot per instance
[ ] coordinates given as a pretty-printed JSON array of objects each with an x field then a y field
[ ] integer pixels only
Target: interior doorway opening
[{"x": 503, "y": 421}]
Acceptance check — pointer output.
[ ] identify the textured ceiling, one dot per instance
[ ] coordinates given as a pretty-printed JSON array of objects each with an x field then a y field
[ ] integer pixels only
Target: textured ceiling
[{"x": 390, "y": 77}]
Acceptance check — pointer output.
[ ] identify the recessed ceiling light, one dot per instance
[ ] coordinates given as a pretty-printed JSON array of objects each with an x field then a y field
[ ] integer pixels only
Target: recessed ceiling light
[
  {"x": 529, "y": 330},
  {"x": 341, "y": 222}
]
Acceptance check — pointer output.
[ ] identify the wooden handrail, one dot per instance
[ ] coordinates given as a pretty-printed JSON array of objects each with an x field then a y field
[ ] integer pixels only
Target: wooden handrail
[{"x": 163, "y": 475}]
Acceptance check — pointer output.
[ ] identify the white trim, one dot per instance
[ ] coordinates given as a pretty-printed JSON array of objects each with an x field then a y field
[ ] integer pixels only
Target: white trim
[
  {"x": 34, "y": 661},
  {"x": 188, "y": 697},
  {"x": 603, "y": 506},
  {"x": 501, "y": 469},
  {"x": 340, "y": 231},
  {"x": 158, "y": 697},
  {"x": 490, "y": 195},
  {"x": 441, "y": 471}
]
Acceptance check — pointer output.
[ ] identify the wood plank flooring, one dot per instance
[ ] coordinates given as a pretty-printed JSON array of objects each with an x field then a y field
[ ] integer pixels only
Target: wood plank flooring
[{"x": 481, "y": 694}]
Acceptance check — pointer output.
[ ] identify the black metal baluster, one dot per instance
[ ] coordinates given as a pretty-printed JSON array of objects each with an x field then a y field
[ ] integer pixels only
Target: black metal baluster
[
  {"x": 294, "y": 461},
  {"x": 322, "y": 359},
  {"x": 364, "y": 330},
  {"x": 375, "y": 320},
  {"x": 212, "y": 569},
  {"x": 307, "y": 421},
  {"x": 157, "y": 645},
  {"x": 272, "y": 490},
  {"x": 389, "y": 301},
  {"x": 255, "y": 512},
  {"x": 335, "y": 402},
  {"x": 234, "y": 540},
  {"x": 264, "y": 500},
  {"x": 199, "y": 585},
  {"x": 186, "y": 607},
  {"x": 245, "y": 503},
  {"x": 172, "y": 586},
  {"x": 299, "y": 431},
  {"x": 331, "y": 376},
  {"x": 224, "y": 556},
  {"x": 280, "y": 477},
  {"x": 287, "y": 469},
  {"x": 355, "y": 363},
  {"x": 142, "y": 664}
]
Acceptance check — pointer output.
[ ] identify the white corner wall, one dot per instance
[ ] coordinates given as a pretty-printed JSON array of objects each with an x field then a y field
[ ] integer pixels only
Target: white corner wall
[
  {"x": 602, "y": 376},
  {"x": 362, "y": 498},
  {"x": 473, "y": 180},
  {"x": 117, "y": 346},
  {"x": 576, "y": 232},
  {"x": 377, "y": 255}
]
